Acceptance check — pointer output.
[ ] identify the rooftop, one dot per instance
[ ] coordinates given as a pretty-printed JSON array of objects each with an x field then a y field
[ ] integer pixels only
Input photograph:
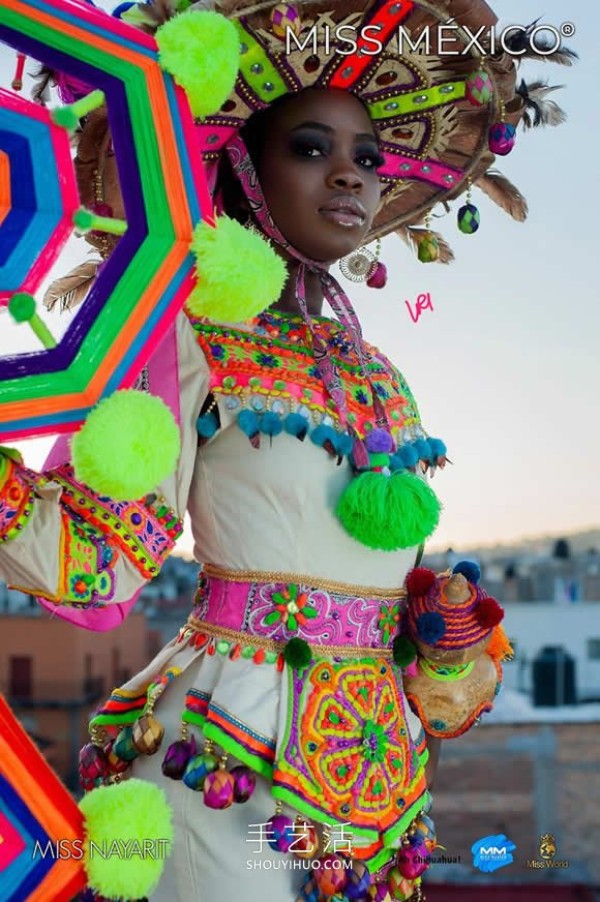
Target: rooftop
[{"x": 514, "y": 707}]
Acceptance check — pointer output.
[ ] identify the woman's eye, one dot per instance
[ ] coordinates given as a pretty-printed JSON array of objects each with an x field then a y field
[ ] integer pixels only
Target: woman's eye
[
  {"x": 370, "y": 160},
  {"x": 309, "y": 148}
]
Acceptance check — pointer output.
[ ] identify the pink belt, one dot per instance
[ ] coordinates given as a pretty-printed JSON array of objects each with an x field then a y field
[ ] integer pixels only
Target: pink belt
[{"x": 281, "y": 606}]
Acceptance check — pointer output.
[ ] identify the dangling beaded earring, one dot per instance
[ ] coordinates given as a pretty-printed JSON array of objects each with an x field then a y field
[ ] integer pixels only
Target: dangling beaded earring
[
  {"x": 364, "y": 265},
  {"x": 468, "y": 214}
]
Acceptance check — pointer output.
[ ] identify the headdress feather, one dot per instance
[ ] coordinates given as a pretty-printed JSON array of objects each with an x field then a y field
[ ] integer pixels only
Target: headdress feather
[
  {"x": 538, "y": 109},
  {"x": 71, "y": 290},
  {"x": 502, "y": 191}
]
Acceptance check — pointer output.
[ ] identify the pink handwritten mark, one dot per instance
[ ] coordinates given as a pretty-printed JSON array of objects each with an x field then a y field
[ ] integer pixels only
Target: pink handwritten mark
[{"x": 423, "y": 303}]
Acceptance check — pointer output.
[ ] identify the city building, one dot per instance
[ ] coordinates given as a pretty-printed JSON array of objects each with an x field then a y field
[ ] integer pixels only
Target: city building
[
  {"x": 53, "y": 675},
  {"x": 522, "y": 773}
]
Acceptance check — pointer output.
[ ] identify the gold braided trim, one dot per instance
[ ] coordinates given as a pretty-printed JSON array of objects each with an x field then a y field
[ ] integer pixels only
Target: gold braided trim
[
  {"x": 335, "y": 651},
  {"x": 315, "y": 582}
]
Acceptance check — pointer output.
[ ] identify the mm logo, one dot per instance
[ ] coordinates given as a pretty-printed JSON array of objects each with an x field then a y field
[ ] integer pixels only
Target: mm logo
[{"x": 492, "y": 852}]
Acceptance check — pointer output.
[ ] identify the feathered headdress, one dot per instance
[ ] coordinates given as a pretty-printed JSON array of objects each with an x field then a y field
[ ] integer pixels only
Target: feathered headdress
[{"x": 442, "y": 114}]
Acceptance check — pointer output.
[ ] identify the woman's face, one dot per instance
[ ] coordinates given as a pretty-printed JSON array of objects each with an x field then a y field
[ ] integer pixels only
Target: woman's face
[{"x": 317, "y": 170}]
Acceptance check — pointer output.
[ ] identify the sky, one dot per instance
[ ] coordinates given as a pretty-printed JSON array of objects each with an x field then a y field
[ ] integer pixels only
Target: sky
[{"x": 505, "y": 367}]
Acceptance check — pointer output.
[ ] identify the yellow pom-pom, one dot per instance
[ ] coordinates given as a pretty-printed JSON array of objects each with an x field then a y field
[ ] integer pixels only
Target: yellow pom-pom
[
  {"x": 201, "y": 50},
  {"x": 239, "y": 273},
  {"x": 129, "y": 443},
  {"x": 129, "y": 833}
]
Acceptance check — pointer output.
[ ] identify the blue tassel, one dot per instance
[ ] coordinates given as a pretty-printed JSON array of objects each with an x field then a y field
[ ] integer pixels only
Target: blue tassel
[
  {"x": 423, "y": 449},
  {"x": 409, "y": 455},
  {"x": 207, "y": 425},
  {"x": 322, "y": 434},
  {"x": 271, "y": 424},
  {"x": 297, "y": 425},
  {"x": 248, "y": 422},
  {"x": 343, "y": 443},
  {"x": 396, "y": 463},
  {"x": 438, "y": 448},
  {"x": 470, "y": 570}
]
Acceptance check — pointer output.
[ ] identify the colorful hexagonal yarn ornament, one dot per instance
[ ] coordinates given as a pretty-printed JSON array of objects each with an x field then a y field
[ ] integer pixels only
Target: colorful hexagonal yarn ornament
[
  {"x": 479, "y": 88},
  {"x": 38, "y": 194},
  {"x": 34, "y": 808},
  {"x": 468, "y": 219},
  {"x": 165, "y": 196}
]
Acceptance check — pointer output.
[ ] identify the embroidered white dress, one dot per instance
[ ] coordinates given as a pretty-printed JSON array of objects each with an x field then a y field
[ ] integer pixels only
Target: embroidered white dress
[{"x": 258, "y": 505}]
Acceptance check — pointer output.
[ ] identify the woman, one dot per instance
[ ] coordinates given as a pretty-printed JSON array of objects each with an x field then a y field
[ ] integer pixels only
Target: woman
[{"x": 290, "y": 673}]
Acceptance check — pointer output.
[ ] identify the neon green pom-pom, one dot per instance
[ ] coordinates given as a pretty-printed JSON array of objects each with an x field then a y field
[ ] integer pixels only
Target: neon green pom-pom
[
  {"x": 201, "y": 51},
  {"x": 388, "y": 512},
  {"x": 239, "y": 273},
  {"x": 128, "y": 444},
  {"x": 129, "y": 833}
]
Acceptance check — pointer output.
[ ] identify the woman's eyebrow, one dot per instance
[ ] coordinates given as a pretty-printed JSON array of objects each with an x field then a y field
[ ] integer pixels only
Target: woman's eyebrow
[{"x": 362, "y": 136}]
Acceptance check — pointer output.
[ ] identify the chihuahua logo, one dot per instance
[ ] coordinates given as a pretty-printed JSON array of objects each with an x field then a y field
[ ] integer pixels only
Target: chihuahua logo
[{"x": 547, "y": 846}]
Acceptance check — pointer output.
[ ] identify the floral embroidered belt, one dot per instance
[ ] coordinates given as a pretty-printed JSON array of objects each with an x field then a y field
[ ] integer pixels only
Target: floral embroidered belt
[{"x": 276, "y": 607}]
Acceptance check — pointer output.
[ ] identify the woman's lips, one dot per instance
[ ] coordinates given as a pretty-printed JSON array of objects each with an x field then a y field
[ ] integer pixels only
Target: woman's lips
[
  {"x": 343, "y": 218},
  {"x": 345, "y": 211}
]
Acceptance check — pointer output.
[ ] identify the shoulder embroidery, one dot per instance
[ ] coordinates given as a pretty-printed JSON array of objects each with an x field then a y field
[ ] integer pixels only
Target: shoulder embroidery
[{"x": 265, "y": 375}]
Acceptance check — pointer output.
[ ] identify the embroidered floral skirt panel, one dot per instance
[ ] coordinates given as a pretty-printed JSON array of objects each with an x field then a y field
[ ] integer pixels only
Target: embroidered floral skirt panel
[{"x": 332, "y": 742}]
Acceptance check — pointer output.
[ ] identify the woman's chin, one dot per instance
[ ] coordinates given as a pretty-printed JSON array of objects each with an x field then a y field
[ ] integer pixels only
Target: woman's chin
[{"x": 329, "y": 252}]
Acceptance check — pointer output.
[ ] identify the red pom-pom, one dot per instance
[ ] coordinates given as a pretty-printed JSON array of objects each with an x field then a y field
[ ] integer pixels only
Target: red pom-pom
[
  {"x": 488, "y": 613},
  {"x": 419, "y": 581},
  {"x": 378, "y": 278}
]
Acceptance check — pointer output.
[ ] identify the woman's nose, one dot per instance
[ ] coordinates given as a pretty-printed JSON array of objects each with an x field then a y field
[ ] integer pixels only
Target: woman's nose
[{"x": 345, "y": 175}]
